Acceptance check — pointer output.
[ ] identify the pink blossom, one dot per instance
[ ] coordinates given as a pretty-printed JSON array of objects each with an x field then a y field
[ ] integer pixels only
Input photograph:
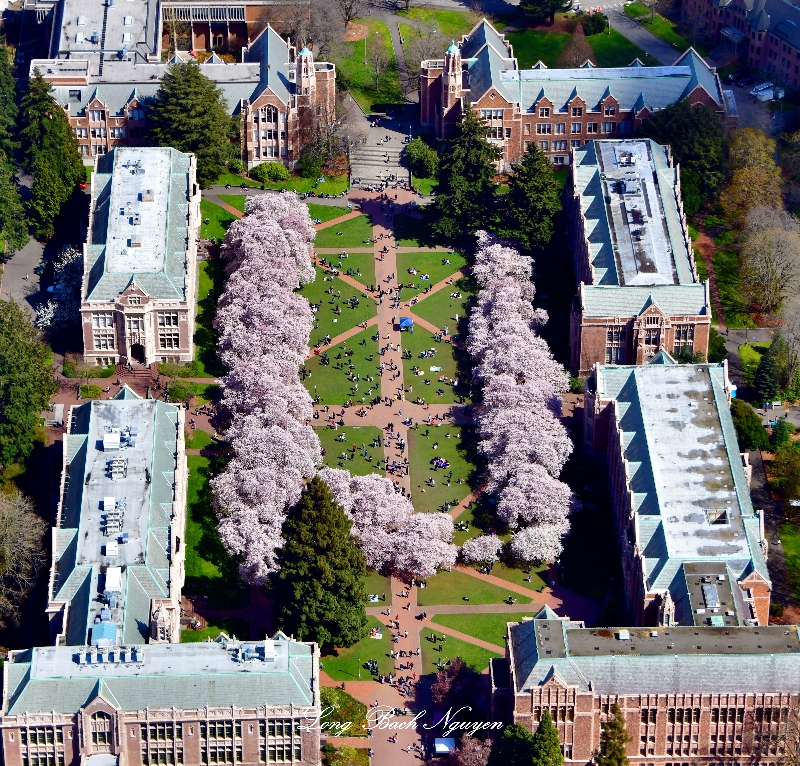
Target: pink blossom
[
  {"x": 539, "y": 543},
  {"x": 533, "y": 496},
  {"x": 485, "y": 548}
]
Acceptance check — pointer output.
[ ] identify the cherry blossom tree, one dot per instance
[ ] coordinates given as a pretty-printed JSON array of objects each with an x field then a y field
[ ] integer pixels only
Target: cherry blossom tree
[
  {"x": 538, "y": 543},
  {"x": 533, "y": 496},
  {"x": 485, "y": 548}
]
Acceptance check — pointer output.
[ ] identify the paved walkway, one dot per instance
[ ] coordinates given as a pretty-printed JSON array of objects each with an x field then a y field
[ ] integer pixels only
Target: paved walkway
[{"x": 638, "y": 35}]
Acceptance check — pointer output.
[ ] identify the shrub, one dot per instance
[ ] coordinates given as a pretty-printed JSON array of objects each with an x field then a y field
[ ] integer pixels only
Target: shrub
[
  {"x": 593, "y": 23},
  {"x": 341, "y": 707},
  {"x": 310, "y": 164},
  {"x": 91, "y": 391},
  {"x": 716, "y": 347},
  {"x": 781, "y": 435},
  {"x": 269, "y": 172},
  {"x": 179, "y": 391},
  {"x": 577, "y": 385},
  {"x": 74, "y": 368},
  {"x": 749, "y": 429},
  {"x": 422, "y": 160},
  {"x": 236, "y": 165}
]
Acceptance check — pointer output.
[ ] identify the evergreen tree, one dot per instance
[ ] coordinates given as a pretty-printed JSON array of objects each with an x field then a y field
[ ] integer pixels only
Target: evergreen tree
[
  {"x": 38, "y": 110},
  {"x": 613, "y": 739},
  {"x": 8, "y": 104},
  {"x": 48, "y": 193},
  {"x": 465, "y": 197},
  {"x": 26, "y": 383},
  {"x": 750, "y": 431},
  {"x": 539, "y": 11},
  {"x": 546, "y": 744},
  {"x": 13, "y": 228},
  {"x": 319, "y": 590},
  {"x": 189, "y": 113},
  {"x": 514, "y": 747},
  {"x": 767, "y": 378},
  {"x": 533, "y": 199}
]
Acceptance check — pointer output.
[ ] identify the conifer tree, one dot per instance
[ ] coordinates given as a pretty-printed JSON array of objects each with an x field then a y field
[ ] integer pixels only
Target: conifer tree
[
  {"x": 320, "y": 593},
  {"x": 8, "y": 104},
  {"x": 613, "y": 739},
  {"x": 767, "y": 378},
  {"x": 514, "y": 747},
  {"x": 533, "y": 199},
  {"x": 13, "y": 227},
  {"x": 546, "y": 744},
  {"x": 189, "y": 113},
  {"x": 465, "y": 196}
]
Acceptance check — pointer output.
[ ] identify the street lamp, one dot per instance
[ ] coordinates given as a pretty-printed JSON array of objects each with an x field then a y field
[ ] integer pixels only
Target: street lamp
[{"x": 359, "y": 668}]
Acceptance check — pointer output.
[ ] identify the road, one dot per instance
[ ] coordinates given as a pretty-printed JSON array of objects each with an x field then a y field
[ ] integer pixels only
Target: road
[{"x": 14, "y": 286}]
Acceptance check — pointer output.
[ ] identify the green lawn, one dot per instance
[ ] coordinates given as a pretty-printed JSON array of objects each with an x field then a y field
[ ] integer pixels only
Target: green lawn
[
  {"x": 354, "y": 233},
  {"x": 726, "y": 271},
  {"x": 449, "y": 24},
  {"x": 234, "y": 200},
  {"x": 457, "y": 450},
  {"x": 454, "y": 363},
  {"x": 440, "y": 309},
  {"x": 198, "y": 439},
  {"x": 360, "y": 265},
  {"x": 789, "y": 536},
  {"x": 327, "y": 212},
  {"x": 666, "y": 31},
  {"x": 359, "y": 78},
  {"x": 342, "y": 665},
  {"x": 343, "y": 708},
  {"x": 332, "y": 384},
  {"x": 211, "y": 281},
  {"x": 327, "y": 321},
  {"x": 216, "y": 220},
  {"x": 533, "y": 45},
  {"x": 473, "y": 656},
  {"x": 488, "y": 627},
  {"x": 331, "y": 184},
  {"x": 210, "y": 570},
  {"x": 233, "y": 626},
  {"x": 410, "y": 231},
  {"x": 356, "y": 463},
  {"x": 451, "y": 587},
  {"x": 519, "y": 575},
  {"x": 751, "y": 355},
  {"x": 430, "y": 263},
  {"x": 378, "y": 584},
  {"x": 426, "y": 186},
  {"x": 636, "y": 9},
  {"x": 615, "y": 50},
  {"x": 234, "y": 180}
]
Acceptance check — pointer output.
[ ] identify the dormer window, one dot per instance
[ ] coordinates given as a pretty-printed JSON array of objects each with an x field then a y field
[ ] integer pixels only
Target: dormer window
[{"x": 134, "y": 300}]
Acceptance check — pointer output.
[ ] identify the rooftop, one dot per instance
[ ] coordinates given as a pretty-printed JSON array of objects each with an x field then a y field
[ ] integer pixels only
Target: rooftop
[{"x": 628, "y": 198}]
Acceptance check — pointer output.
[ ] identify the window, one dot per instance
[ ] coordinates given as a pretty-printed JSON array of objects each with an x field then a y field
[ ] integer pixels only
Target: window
[
  {"x": 508, "y": 132},
  {"x": 134, "y": 300},
  {"x": 577, "y": 111},
  {"x": 101, "y": 728},
  {"x": 610, "y": 111},
  {"x": 651, "y": 339},
  {"x": 527, "y": 128},
  {"x": 560, "y": 160},
  {"x": 575, "y": 143},
  {"x": 561, "y": 128},
  {"x": 577, "y": 127},
  {"x": 559, "y": 146},
  {"x": 544, "y": 145},
  {"x": 492, "y": 114},
  {"x": 544, "y": 111},
  {"x": 625, "y": 127},
  {"x": 592, "y": 127},
  {"x": 136, "y": 324},
  {"x": 609, "y": 127},
  {"x": 105, "y": 319},
  {"x": 117, "y": 132},
  {"x": 167, "y": 318},
  {"x": 544, "y": 128}
]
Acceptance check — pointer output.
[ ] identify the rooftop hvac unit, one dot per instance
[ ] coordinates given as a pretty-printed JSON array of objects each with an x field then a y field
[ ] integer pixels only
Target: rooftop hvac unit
[
  {"x": 136, "y": 240},
  {"x": 111, "y": 441}
]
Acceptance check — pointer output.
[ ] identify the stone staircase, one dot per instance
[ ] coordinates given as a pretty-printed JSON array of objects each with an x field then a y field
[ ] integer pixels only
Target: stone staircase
[{"x": 368, "y": 163}]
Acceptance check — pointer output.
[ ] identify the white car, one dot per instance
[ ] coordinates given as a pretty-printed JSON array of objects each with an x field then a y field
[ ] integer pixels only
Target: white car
[{"x": 759, "y": 88}]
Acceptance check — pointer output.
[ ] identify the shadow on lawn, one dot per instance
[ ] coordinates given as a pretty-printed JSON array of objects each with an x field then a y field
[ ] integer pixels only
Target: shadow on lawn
[{"x": 205, "y": 337}]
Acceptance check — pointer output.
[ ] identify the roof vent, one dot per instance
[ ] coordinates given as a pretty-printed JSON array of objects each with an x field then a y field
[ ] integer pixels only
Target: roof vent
[{"x": 624, "y": 635}]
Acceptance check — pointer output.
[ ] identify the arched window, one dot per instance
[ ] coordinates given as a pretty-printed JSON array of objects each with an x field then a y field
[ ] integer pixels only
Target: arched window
[{"x": 101, "y": 728}]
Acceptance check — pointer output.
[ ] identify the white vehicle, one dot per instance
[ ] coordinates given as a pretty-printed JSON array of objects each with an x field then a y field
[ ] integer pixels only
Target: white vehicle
[
  {"x": 762, "y": 87},
  {"x": 770, "y": 94}
]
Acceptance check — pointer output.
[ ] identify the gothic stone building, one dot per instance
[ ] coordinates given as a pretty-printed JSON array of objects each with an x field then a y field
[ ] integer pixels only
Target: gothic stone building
[
  {"x": 692, "y": 546},
  {"x": 638, "y": 289},
  {"x": 558, "y": 109},
  {"x": 140, "y": 258},
  {"x": 104, "y": 81},
  {"x": 219, "y": 702},
  {"x": 689, "y": 695}
]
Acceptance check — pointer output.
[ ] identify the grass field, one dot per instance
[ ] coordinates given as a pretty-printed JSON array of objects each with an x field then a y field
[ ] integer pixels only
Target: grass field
[
  {"x": 210, "y": 283},
  {"x": 331, "y": 184},
  {"x": 533, "y": 45},
  {"x": 359, "y": 78},
  {"x": 734, "y": 307},
  {"x": 326, "y": 212},
  {"x": 475, "y": 657},
  {"x": 378, "y": 584},
  {"x": 344, "y": 709},
  {"x": 216, "y": 220},
  {"x": 412, "y": 232},
  {"x": 751, "y": 355},
  {"x": 210, "y": 570},
  {"x": 354, "y": 233},
  {"x": 488, "y": 627},
  {"x": 327, "y": 322},
  {"x": 440, "y": 309},
  {"x": 789, "y": 536},
  {"x": 233, "y": 626},
  {"x": 454, "y": 363},
  {"x": 356, "y": 463},
  {"x": 449, "y": 24},
  {"x": 451, "y": 587},
  {"x": 360, "y": 265},
  {"x": 198, "y": 439},
  {"x": 615, "y": 50},
  {"x": 332, "y": 384},
  {"x": 426, "y": 186},
  {"x": 430, "y": 263},
  {"x": 344, "y": 663},
  {"x": 234, "y": 200},
  {"x": 234, "y": 180}
]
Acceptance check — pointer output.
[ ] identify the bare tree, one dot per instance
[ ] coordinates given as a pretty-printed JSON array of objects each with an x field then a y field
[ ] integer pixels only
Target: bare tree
[
  {"x": 21, "y": 552},
  {"x": 770, "y": 259},
  {"x": 577, "y": 51},
  {"x": 349, "y": 9},
  {"x": 379, "y": 59},
  {"x": 419, "y": 48},
  {"x": 325, "y": 27},
  {"x": 661, "y": 7}
]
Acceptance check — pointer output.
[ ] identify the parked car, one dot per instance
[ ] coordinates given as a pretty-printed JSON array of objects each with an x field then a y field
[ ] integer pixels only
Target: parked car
[
  {"x": 745, "y": 81},
  {"x": 770, "y": 94},
  {"x": 759, "y": 88}
]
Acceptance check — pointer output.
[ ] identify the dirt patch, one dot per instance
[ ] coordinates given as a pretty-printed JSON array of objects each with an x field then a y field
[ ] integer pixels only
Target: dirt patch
[
  {"x": 355, "y": 32},
  {"x": 705, "y": 247},
  {"x": 790, "y": 616}
]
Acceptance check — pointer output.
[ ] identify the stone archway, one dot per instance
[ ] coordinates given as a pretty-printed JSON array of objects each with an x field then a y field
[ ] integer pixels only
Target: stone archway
[{"x": 137, "y": 353}]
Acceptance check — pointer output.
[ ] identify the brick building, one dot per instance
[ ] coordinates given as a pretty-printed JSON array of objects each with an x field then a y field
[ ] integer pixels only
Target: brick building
[
  {"x": 140, "y": 258},
  {"x": 559, "y": 109},
  {"x": 689, "y": 695},
  {"x": 106, "y": 61},
  {"x": 638, "y": 289},
  {"x": 218, "y": 702},
  {"x": 764, "y": 34},
  {"x": 693, "y": 548}
]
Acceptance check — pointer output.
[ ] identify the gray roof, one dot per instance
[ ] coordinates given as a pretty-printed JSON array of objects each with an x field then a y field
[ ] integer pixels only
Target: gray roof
[
  {"x": 673, "y": 300},
  {"x": 186, "y": 676},
  {"x": 271, "y": 51},
  {"x": 159, "y": 265},
  {"x": 484, "y": 34},
  {"x": 673, "y": 661},
  {"x": 684, "y": 469},
  {"x": 780, "y": 18},
  {"x": 147, "y": 492}
]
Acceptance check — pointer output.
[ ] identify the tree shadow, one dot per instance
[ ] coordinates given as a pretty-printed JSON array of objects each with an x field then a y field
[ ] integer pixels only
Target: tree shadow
[{"x": 205, "y": 336}]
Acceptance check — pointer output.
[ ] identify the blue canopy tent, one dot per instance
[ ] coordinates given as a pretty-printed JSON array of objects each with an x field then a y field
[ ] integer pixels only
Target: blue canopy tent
[{"x": 406, "y": 323}]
